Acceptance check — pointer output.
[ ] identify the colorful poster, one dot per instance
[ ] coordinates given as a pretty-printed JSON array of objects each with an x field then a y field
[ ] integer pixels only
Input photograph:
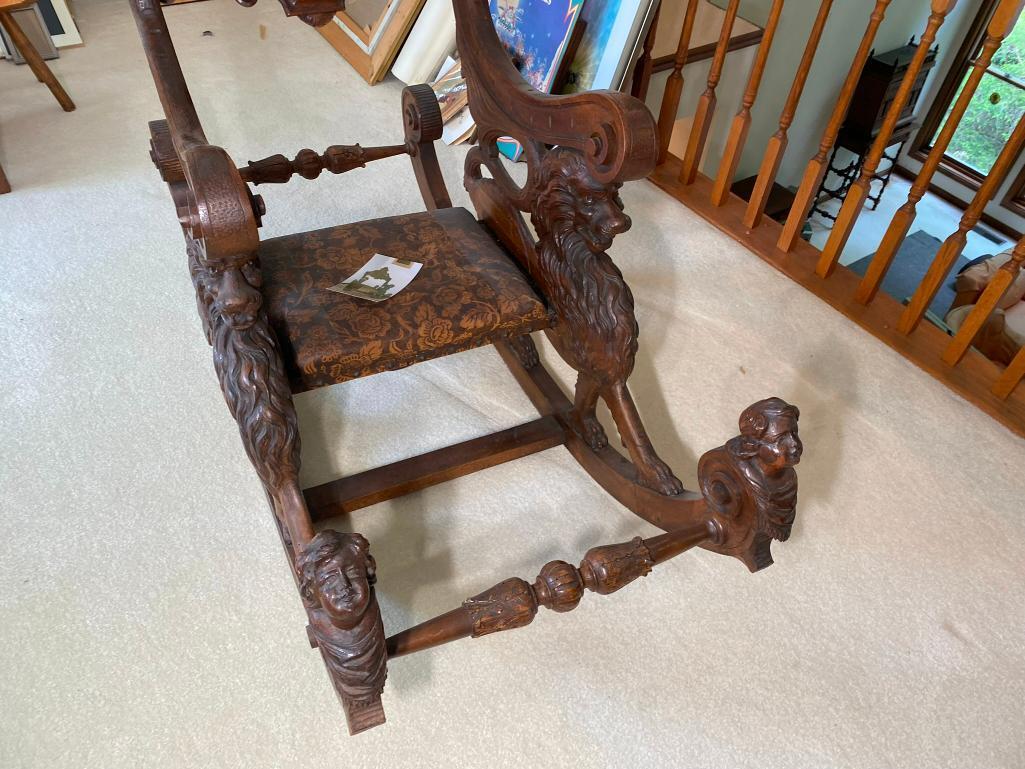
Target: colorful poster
[
  {"x": 610, "y": 36},
  {"x": 536, "y": 34}
]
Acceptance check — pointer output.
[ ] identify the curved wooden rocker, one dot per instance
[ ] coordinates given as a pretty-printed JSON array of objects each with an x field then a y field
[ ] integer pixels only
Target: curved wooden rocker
[{"x": 275, "y": 332}]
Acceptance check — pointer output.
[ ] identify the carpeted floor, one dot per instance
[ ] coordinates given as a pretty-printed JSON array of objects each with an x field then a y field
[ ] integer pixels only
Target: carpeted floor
[{"x": 147, "y": 618}]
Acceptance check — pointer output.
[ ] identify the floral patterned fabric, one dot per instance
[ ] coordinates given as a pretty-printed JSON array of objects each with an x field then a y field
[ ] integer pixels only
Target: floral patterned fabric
[{"x": 468, "y": 293}]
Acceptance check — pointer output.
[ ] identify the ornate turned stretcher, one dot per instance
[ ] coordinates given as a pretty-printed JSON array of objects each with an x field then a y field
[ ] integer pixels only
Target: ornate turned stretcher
[{"x": 275, "y": 332}]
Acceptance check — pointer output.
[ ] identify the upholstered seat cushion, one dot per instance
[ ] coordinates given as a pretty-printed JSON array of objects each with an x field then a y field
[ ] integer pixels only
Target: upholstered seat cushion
[{"x": 469, "y": 292}]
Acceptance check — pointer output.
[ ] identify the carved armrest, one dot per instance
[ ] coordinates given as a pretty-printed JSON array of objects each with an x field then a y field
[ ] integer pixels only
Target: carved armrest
[
  {"x": 615, "y": 132},
  {"x": 215, "y": 207}
]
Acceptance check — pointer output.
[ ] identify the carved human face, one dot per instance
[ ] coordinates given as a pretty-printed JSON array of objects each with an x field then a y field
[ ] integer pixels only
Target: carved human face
[
  {"x": 343, "y": 587},
  {"x": 233, "y": 292},
  {"x": 779, "y": 447},
  {"x": 600, "y": 215}
]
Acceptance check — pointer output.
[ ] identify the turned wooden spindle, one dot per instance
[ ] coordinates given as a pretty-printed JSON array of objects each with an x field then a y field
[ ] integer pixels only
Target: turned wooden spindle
[
  {"x": 777, "y": 145},
  {"x": 277, "y": 169},
  {"x": 858, "y": 192},
  {"x": 674, "y": 85},
  {"x": 514, "y": 602},
  {"x": 953, "y": 245},
  {"x": 706, "y": 104},
  {"x": 742, "y": 121},
  {"x": 1012, "y": 375},
  {"x": 816, "y": 169},
  {"x": 1000, "y": 26},
  {"x": 642, "y": 72},
  {"x": 985, "y": 305}
]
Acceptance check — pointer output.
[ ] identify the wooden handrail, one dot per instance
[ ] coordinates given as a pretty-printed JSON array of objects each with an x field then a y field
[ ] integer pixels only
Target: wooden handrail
[
  {"x": 983, "y": 308},
  {"x": 777, "y": 146},
  {"x": 742, "y": 121},
  {"x": 1000, "y": 27},
  {"x": 706, "y": 104},
  {"x": 858, "y": 192},
  {"x": 674, "y": 85},
  {"x": 955, "y": 243},
  {"x": 816, "y": 168}
]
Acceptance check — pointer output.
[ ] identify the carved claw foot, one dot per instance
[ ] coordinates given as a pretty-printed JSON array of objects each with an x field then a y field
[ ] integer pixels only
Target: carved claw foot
[
  {"x": 656, "y": 475},
  {"x": 336, "y": 577},
  {"x": 589, "y": 428}
]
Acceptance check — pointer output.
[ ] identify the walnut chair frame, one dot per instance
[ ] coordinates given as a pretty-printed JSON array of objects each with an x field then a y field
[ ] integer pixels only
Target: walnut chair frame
[{"x": 275, "y": 332}]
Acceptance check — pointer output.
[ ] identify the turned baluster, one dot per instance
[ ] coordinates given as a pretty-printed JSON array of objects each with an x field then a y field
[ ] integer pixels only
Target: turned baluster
[
  {"x": 856, "y": 195},
  {"x": 1012, "y": 375},
  {"x": 337, "y": 159},
  {"x": 742, "y": 121},
  {"x": 642, "y": 72},
  {"x": 1000, "y": 26},
  {"x": 954, "y": 244},
  {"x": 777, "y": 146},
  {"x": 816, "y": 169},
  {"x": 559, "y": 587},
  {"x": 706, "y": 104},
  {"x": 674, "y": 85},
  {"x": 985, "y": 305}
]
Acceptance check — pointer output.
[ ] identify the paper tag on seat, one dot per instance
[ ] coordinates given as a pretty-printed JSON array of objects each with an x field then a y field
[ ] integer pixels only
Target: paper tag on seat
[{"x": 380, "y": 278}]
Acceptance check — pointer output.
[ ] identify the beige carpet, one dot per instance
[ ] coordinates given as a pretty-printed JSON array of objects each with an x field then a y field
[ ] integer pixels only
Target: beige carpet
[{"x": 147, "y": 618}]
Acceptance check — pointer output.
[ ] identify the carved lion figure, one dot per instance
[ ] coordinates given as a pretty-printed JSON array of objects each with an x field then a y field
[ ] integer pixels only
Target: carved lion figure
[
  {"x": 248, "y": 365},
  {"x": 336, "y": 579},
  {"x": 576, "y": 219},
  {"x": 765, "y": 453}
]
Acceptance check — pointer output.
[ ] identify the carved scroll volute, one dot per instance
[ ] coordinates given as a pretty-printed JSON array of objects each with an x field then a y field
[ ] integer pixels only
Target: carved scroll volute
[
  {"x": 615, "y": 132},
  {"x": 750, "y": 484}
]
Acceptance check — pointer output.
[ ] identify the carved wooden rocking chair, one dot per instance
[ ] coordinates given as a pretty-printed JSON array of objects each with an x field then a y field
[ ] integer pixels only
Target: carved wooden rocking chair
[{"x": 275, "y": 331}]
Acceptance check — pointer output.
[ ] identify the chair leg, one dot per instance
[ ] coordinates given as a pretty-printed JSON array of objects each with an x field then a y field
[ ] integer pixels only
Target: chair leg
[
  {"x": 35, "y": 61},
  {"x": 5, "y": 186}
]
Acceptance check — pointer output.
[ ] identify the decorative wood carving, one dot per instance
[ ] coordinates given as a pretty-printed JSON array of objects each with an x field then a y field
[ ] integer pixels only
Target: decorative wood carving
[
  {"x": 751, "y": 480},
  {"x": 316, "y": 13},
  {"x": 337, "y": 159},
  {"x": 336, "y": 579}
]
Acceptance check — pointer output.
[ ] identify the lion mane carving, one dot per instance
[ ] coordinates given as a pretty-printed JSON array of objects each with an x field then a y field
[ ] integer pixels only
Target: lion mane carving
[{"x": 576, "y": 219}]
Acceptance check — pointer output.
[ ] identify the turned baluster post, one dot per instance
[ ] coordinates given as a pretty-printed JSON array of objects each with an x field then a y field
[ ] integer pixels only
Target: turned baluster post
[
  {"x": 856, "y": 195},
  {"x": 816, "y": 169},
  {"x": 706, "y": 104},
  {"x": 1012, "y": 375},
  {"x": 953, "y": 245},
  {"x": 985, "y": 305},
  {"x": 513, "y": 603},
  {"x": 777, "y": 146},
  {"x": 642, "y": 72},
  {"x": 742, "y": 121},
  {"x": 674, "y": 85},
  {"x": 1000, "y": 27}
]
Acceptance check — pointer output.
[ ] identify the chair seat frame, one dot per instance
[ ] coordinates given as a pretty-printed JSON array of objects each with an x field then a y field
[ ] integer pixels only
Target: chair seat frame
[{"x": 579, "y": 150}]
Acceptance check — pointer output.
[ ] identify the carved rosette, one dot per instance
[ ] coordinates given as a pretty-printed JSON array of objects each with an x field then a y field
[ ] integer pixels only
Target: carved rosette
[{"x": 509, "y": 604}]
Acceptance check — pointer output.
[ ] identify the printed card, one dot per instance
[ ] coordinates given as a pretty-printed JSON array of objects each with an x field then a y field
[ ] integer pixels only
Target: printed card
[{"x": 380, "y": 278}]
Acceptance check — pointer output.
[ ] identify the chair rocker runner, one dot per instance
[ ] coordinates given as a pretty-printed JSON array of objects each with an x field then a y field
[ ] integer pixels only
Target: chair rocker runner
[{"x": 485, "y": 280}]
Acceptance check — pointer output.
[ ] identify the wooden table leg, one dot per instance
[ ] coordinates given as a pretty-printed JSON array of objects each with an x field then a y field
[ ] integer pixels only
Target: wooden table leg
[
  {"x": 35, "y": 61},
  {"x": 5, "y": 186}
]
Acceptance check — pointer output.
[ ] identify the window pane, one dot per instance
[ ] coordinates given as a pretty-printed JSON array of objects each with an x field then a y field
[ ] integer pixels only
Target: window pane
[
  {"x": 988, "y": 123},
  {"x": 1010, "y": 59}
]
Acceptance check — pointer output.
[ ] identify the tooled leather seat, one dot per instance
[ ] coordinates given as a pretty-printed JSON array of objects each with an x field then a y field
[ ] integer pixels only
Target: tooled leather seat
[{"x": 468, "y": 293}]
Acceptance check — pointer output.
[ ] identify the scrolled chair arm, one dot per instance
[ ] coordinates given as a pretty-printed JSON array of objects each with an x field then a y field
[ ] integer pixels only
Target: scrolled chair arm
[{"x": 215, "y": 207}]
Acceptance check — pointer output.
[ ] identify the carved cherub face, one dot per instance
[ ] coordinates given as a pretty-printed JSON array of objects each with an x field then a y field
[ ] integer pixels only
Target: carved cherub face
[
  {"x": 600, "y": 214},
  {"x": 779, "y": 446},
  {"x": 338, "y": 573},
  {"x": 232, "y": 291}
]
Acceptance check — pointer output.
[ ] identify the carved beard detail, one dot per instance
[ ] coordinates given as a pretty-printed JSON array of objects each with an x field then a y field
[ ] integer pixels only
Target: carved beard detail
[
  {"x": 597, "y": 331},
  {"x": 257, "y": 393},
  {"x": 775, "y": 496}
]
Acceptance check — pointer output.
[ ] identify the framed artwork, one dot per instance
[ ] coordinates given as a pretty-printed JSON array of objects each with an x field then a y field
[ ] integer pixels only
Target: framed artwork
[
  {"x": 612, "y": 34},
  {"x": 372, "y": 47},
  {"x": 537, "y": 35},
  {"x": 59, "y": 22}
]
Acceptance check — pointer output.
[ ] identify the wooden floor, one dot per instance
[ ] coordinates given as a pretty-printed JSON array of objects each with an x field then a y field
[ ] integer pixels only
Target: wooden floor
[{"x": 973, "y": 378}]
